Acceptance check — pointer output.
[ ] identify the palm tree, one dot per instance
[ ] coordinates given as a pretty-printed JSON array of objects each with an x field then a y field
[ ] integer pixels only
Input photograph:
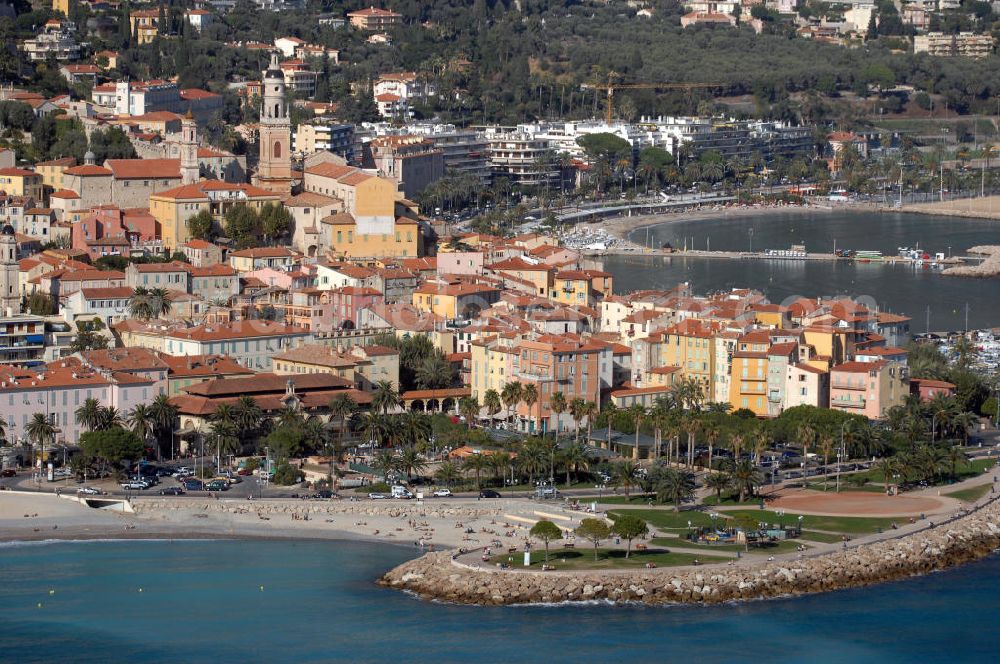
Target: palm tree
[
  {"x": 139, "y": 305},
  {"x": 416, "y": 428},
  {"x": 141, "y": 421},
  {"x": 826, "y": 449},
  {"x": 247, "y": 414},
  {"x": 955, "y": 456},
  {"x": 411, "y": 462},
  {"x": 164, "y": 415},
  {"x": 712, "y": 434},
  {"x": 109, "y": 418},
  {"x": 434, "y": 372},
  {"x": 746, "y": 478},
  {"x": 511, "y": 396},
  {"x": 40, "y": 430},
  {"x": 491, "y": 402},
  {"x": 448, "y": 474},
  {"x": 385, "y": 397},
  {"x": 224, "y": 437},
  {"x": 532, "y": 458},
  {"x": 385, "y": 462},
  {"x": 718, "y": 482},
  {"x": 529, "y": 396},
  {"x": 576, "y": 409},
  {"x": 806, "y": 436},
  {"x": 468, "y": 407},
  {"x": 609, "y": 413},
  {"x": 477, "y": 463},
  {"x": 623, "y": 474},
  {"x": 638, "y": 413},
  {"x": 557, "y": 404},
  {"x": 501, "y": 462},
  {"x": 692, "y": 425},
  {"x": 675, "y": 487},
  {"x": 373, "y": 428},
  {"x": 342, "y": 407},
  {"x": 888, "y": 467},
  {"x": 760, "y": 444},
  {"x": 88, "y": 414},
  {"x": 590, "y": 411},
  {"x": 160, "y": 302},
  {"x": 574, "y": 457}
]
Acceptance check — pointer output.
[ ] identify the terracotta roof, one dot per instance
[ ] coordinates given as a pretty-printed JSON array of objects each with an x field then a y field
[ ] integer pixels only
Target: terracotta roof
[
  {"x": 263, "y": 252},
  {"x": 859, "y": 367},
  {"x": 112, "y": 293},
  {"x": 266, "y": 382},
  {"x": 198, "y": 190},
  {"x": 18, "y": 172},
  {"x": 86, "y": 171},
  {"x": 246, "y": 329},
  {"x": 182, "y": 366},
  {"x": 145, "y": 169},
  {"x": 218, "y": 270},
  {"x": 330, "y": 170},
  {"x": 198, "y": 244},
  {"x": 63, "y": 161},
  {"x": 125, "y": 359}
]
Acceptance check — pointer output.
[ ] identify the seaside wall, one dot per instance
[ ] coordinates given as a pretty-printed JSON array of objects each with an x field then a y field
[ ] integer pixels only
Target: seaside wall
[
  {"x": 437, "y": 576},
  {"x": 390, "y": 508}
]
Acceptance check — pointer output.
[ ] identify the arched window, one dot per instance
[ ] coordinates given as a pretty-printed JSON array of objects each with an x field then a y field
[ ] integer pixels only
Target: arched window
[
  {"x": 277, "y": 114},
  {"x": 277, "y": 150}
]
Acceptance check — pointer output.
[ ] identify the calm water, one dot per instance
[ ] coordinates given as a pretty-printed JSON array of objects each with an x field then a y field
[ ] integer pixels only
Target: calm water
[
  {"x": 201, "y": 602},
  {"x": 896, "y": 288}
]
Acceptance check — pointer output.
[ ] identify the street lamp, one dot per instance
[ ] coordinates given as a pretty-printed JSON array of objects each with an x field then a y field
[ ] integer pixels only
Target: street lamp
[{"x": 840, "y": 452}]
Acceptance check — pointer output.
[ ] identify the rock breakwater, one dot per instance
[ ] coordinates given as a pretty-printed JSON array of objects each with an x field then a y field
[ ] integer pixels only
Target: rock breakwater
[
  {"x": 437, "y": 576},
  {"x": 393, "y": 509},
  {"x": 990, "y": 267}
]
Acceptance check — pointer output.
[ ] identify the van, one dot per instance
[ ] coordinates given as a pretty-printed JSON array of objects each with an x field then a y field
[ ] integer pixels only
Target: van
[{"x": 402, "y": 492}]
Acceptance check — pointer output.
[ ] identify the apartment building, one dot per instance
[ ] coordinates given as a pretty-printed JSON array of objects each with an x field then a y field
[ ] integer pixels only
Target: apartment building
[
  {"x": 964, "y": 44},
  {"x": 868, "y": 388}
]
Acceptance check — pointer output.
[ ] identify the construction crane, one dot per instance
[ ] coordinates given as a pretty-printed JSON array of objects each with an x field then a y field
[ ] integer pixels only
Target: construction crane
[{"x": 611, "y": 86}]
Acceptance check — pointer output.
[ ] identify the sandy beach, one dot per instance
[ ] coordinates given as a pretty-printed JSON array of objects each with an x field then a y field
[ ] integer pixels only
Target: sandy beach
[{"x": 986, "y": 208}]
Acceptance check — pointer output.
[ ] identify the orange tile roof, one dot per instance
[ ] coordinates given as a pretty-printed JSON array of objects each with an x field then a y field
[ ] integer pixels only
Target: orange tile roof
[{"x": 145, "y": 169}]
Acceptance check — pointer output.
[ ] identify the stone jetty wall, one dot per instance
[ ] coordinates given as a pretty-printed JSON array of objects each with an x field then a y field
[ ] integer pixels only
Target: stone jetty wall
[
  {"x": 437, "y": 576},
  {"x": 394, "y": 509},
  {"x": 990, "y": 267}
]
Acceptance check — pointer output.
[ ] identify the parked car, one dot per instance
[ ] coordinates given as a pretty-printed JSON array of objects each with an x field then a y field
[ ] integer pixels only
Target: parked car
[
  {"x": 217, "y": 485},
  {"x": 134, "y": 485},
  {"x": 194, "y": 485},
  {"x": 377, "y": 496},
  {"x": 489, "y": 493},
  {"x": 243, "y": 472},
  {"x": 443, "y": 493},
  {"x": 172, "y": 491},
  {"x": 323, "y": 493},
  {"x": 401, "y": 492},
  {"x": 9, "y": 472}
]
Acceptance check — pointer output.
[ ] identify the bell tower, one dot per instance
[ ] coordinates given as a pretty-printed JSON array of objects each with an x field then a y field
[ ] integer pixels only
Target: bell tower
[
  {"x": 274, "y": 167},
  {"x": 10, "y": 295},
  {"x": 190, "y": 171}
]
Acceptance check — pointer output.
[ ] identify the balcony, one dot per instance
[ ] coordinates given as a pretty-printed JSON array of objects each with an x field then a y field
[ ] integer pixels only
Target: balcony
[
  {"x": 847, "y": 403},
  {"x": 860, "y": 387}
]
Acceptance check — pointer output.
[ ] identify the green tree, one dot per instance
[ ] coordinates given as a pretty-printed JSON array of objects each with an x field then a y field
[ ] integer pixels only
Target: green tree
[
  {"x": 275, "y": 222},
  {"x": 242, "y": 226},
  {"x": 88, "y": 414},
  {"x": 594, "y": 531},
  {"x": 545, "y": 532},
  {"x": 628, "y": 527},
  {"x": 112, "y": 446},
  {"x": 202, "y": 226},
  {"x": 40, "y": 431},
  {"x": 675, "y": 487}
]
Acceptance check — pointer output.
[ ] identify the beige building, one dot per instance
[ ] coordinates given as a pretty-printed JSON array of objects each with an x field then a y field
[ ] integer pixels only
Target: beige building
[
  {"x": 363, "y": 365},
  {"x": 964, "y": 44},
  {"x": 413, "y": 162},
  {"x": 374, "y": 19}
]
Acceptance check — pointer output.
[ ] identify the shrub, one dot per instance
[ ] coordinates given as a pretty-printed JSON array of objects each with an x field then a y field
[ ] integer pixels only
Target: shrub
[
  {"x": 380, "y": 487},
  {"x": 286, "y": 475}
]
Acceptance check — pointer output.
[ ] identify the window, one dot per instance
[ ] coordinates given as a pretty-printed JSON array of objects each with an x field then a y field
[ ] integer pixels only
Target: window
[{"x": 277, "y": 144}]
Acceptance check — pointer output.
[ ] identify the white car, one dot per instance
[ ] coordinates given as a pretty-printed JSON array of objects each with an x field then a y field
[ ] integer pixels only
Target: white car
[
  {"x": 378, "y": 496},
  {"x": 89, "y": 490},
  {"x": 442, "y": 493}
]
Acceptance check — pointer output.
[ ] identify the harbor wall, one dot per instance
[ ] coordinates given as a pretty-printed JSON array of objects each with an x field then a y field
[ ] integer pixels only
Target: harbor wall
[{"x": 438, "y": 576}]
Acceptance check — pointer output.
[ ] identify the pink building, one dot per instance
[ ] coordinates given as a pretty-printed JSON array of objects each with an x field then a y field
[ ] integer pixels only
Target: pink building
[
  {"x": 868, "y": 388},
  {"x": 62, "y": 387},
  {"x": 460, "y": 262},
  {"x": 109, "y": 230},
  {"x": 347, "y": 301},
  {"x": 928, "y": 389}
]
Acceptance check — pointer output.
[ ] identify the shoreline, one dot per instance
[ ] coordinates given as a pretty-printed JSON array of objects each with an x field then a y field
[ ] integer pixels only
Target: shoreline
[{"x": 971, "y": 536}]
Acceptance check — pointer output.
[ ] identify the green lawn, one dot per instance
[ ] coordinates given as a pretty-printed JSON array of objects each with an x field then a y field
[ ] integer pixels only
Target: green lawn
[
  {"x": 812, "y": 536},
  {"x": 727, "y": 501},
  {"x": 972, "y": 494},
  {"x": 583, "y": 558},
  {"x": 770, "y": 548},
  {"x": 668, "y": 519},
  {"x": 634, "y": 499},
  {"x": 839, "y": 524}
]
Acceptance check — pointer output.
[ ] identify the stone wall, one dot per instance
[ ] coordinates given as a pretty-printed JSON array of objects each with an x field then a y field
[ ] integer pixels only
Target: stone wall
[
  {"x": 437, "y": 576},
  {"x": 389, "y": 508}
]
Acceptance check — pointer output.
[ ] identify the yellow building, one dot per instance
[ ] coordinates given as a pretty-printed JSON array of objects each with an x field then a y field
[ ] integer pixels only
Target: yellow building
[
  {"x": 348, "y": 238},
  {"x": 61, "y": 6},
  {"x": 831, "y": 345},
  {"x": 491, "y": 365},
  {"x": 454, "y": 300},
  {"x": 144, "y": 24},
  {"x": 52, "y": 172},
  {"x": 748, "y": 387},
  {"x": 22, "y": 182},
  {"x": 572, "y": 287},
  {"x": 172, "y": 208},
  {"x": 538, "y": 275},
  {"x": 690, "y": 346},
  {"x": 771, "y": 315}
]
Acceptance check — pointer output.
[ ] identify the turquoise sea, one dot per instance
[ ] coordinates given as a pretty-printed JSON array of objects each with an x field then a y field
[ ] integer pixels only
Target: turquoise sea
[{"x": 281, "y": 601}]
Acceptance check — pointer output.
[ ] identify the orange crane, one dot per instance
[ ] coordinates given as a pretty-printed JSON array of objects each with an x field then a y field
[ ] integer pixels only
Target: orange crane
[{"x": 611, "y": 86}]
